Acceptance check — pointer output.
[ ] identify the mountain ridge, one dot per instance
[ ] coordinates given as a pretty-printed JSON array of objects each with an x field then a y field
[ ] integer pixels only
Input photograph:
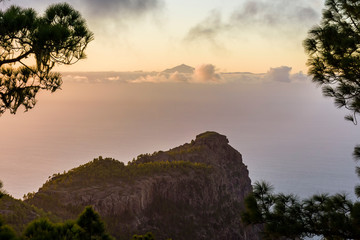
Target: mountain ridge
[
  {"x": 182, "y": 68},
  {"x": 194, "y": 191}
]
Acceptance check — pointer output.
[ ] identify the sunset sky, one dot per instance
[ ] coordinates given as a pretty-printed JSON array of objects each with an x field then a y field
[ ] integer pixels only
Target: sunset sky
[
  {"x": 249, "y": 84},
  {"x": 233, "y": 35}
]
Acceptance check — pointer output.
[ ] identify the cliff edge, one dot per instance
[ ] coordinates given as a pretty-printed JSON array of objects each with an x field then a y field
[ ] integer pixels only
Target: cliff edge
[{"x": 194, "y": 191}]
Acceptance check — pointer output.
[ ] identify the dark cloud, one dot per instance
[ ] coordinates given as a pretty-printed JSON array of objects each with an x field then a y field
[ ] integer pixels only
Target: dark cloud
[
  {"x": 258, "y": 15},
  {"x": 121, "y": 7},
  {"x": 274, "y": 13},
  {"x": 101, "y": 8},
  {"x": 118, "y": 9},
  {"x": 208, "y": 28}
]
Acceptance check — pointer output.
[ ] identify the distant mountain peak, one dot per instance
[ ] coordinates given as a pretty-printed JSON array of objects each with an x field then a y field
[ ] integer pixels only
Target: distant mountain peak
[{"x": 181, "y": 69}]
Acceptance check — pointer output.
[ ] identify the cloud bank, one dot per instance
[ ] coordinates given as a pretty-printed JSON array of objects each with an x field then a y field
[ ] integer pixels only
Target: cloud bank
[
  {"x": 207, "y": 73},
  {"x": 280, "y": 74},
  {"x": 283, "y": 74},
  {"x": 203, "y": 74}
]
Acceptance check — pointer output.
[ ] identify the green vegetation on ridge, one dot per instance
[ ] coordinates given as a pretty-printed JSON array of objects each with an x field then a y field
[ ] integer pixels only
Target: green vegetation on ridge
[
  {"x": 109, "y": 169},
  {"x": 18, "y": 213}
]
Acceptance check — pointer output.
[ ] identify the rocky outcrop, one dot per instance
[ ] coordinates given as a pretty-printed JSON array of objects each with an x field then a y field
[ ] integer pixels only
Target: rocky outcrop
[{"x": 195, "y": 191}]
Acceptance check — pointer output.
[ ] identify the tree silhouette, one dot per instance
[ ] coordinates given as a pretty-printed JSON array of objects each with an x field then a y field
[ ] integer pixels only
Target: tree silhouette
[
  {"x": 1, "y": 190},
  {"x": 58, "y": 37},
  {"x": 334, "y": 54},
  {"x": 334, "y": 58},
  {"x": 41, "y": 229},
  {"x": 334, "y": 63},
  {"x": 6, "y": 232},
  {"x": 332, "y": 217},
  {"x": 88, "y": 226},
  {"x": 92, "y": 225}
]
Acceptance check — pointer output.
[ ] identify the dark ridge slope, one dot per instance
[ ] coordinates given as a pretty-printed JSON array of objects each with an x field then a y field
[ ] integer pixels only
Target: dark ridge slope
[
  {"x": 18, "y": 214},
  {"x": 194, "y": 191}
]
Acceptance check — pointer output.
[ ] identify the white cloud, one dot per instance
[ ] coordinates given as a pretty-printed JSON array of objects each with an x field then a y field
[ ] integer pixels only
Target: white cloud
[
  {"x": 117, "y": 78},
  {"x": 203, "y": 74},
  {"x": 283, "y": 74},
  {"x": 279, "y": 74},
  {"x": 300, "y": 76},
  {"x": 207, "y": 73},
  {"x": 154, "y": 78},
  {"x": 76, "y": 78},
  {"x": 179, "y": 77}
]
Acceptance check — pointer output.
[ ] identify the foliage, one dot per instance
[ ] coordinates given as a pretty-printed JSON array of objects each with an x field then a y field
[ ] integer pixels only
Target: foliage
[
  {"x": 87, "y": 227},
  {"x": 334, "y": 58},
  {"x": 92, "y": 225},
  {"x": 1, "y": 190},
  {"x": 6, "y": 232},
  {"x": 109, "y": 169},
  {"x": 147, "y": 236},
  {"x": 334, "y": 61},
  {"x": 41, "y": 229},
  {"x": 331, "y": 217},
  {"x": 60, "y": 36},
  {"x": 184, "y": 150},
  {"x": 18, "y": 214},
  {"x": 334, "y": 55}
]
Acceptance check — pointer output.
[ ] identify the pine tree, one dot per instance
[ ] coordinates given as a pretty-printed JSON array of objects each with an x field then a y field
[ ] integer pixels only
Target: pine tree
[
  {"x": 58, "y": 37},
  {"x": 92, "y": 225}
]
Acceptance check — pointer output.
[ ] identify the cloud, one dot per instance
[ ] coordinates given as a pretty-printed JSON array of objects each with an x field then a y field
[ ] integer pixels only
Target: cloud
[
  {"x": 203, "y": 74},
  {"x": 101, "y": 77},
  {"x": 300, "y": 76},
  {"x": 280, "y": 74},
  {"x": 259, "y": 16},
  {"x": 119, "y": 8},
  {"x": 163, "y": 77},
  {"x": 208, "y": 28},
  {"x": 117, "y": 78},
  {"x": 206, "y": 73},
  {"x": 274, "y": 14},
  {"x": 179, "y": 77},
  {"x": 76, "y": 78},
  {"x": 151, "y": 78},
  {"x": 283, "y": 74}
]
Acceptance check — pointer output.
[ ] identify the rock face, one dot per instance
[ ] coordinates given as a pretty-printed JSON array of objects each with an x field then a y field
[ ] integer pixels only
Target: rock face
[{"x": 194, "y": 191}]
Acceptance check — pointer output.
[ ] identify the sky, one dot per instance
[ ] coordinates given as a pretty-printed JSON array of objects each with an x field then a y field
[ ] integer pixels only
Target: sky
[
  {"x": 287, "y": 133},
  {"x": 249, "y": 83},
  {"x": 233, "y": 35}
]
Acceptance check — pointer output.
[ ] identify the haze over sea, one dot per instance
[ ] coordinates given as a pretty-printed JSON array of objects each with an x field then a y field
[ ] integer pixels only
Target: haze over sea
[{"x": 287, "y": 132}]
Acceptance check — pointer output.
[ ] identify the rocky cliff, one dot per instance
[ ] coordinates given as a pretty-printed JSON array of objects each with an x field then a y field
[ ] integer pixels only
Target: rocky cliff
[{"x": 194, "y": 191}]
